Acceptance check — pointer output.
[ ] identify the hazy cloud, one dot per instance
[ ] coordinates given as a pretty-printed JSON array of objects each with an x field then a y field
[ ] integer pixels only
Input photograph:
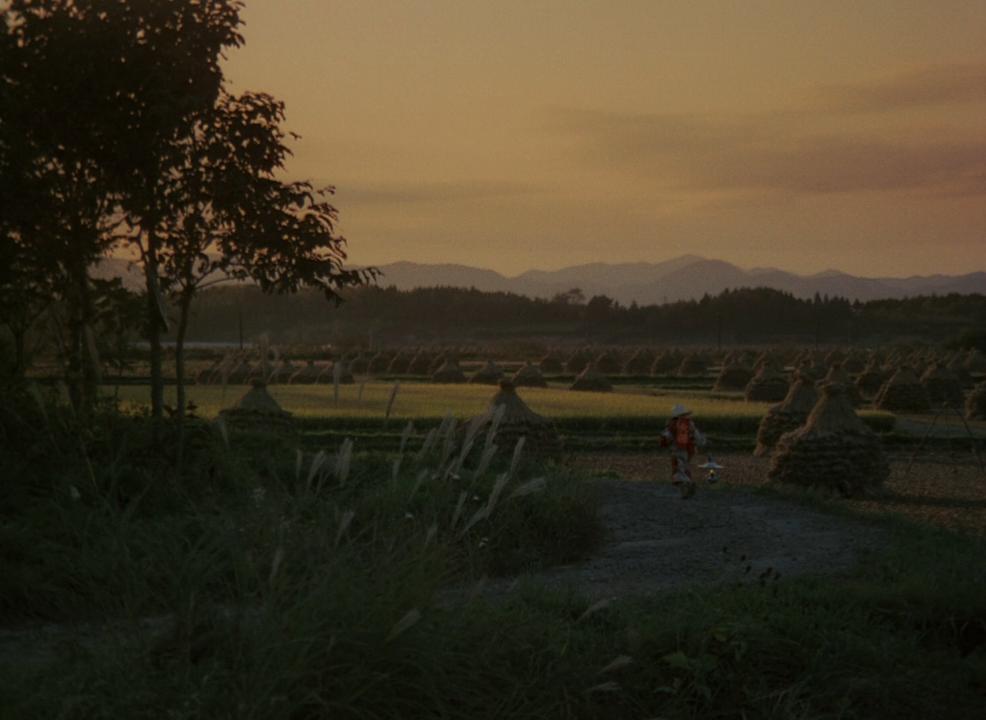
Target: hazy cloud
[
  {"x": 401, "y": 193},
  {"x": 947, "y": 84},
  {"x": 774, "y": 152}
]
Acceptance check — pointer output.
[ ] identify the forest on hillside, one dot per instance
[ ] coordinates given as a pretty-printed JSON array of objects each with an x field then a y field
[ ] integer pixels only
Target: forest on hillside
[{"x": 386, "y": 315}]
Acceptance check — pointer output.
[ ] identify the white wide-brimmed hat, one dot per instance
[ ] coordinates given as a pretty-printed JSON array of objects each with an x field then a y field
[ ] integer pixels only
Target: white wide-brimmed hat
[{"x": 679, "y": 410}]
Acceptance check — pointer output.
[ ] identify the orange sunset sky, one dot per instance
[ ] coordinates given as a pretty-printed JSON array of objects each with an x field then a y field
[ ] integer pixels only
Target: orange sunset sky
[{"x": 522, "y": 134}]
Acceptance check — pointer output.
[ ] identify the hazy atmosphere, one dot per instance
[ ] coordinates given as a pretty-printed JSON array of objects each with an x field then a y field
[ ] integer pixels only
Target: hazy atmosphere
[{"x": 517, "y": 135}]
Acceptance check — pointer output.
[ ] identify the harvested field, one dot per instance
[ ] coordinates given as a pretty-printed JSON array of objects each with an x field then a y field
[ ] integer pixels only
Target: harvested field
[
  {"x": 658, "y": 542},
  {"x": 947, "y": 491}
]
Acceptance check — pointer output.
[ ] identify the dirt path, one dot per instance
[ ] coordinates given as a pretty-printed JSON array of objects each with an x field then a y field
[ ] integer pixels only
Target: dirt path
[{"x": 657, "y": 541}]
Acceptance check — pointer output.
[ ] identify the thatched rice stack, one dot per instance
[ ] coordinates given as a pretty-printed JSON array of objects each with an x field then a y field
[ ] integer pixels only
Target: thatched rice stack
[
  {"x": 591, "y": 380},
  {"x": 665, "y": 363},
  {"x": 257, "y": 411},
  {"x": 957, "y": 366},
  {"x": 489, "y": 374},
  {"x": 421, "y": 363},
  {"x": 379, "y": 363},
  {"x": 811, "y": 370},
  {"x": 283, "y": 372},
  {"x": 609, "y": 363},
  {"x": 975, "y": 404},
  {"x": 399, "y": 364},
  {"x": 871, "y": 379},
  {"x": 854, "y": 363},
  {"x": 834, "y": 449},
  {"x": 639, "y": 363},
  {"x": 449, "y": 372},
  {"x": 518, "y": 421},
  {"x": 345, "y": 373},
  {"x": 693, "y": 365},
  {"x": 787, "y": 415},
  {"x": 240, "y": 374},
  {"x": 209, "y": 375},
  {"x": 837, "y": 375},
  {"x": 768, "y": 385},
  {"x": 975, "y": 362},
  {"x": 551, "y": 363},
  {"x": 903, "y": 392},
  {"x": 733, "y": 376},
  {"x": 359, "y": 363},
  {"x": 529, "y": 376},
  {"x": 306, "y": 375},
  {"x": 578, "y": 361},
  {"x": 942, "y": 386}
]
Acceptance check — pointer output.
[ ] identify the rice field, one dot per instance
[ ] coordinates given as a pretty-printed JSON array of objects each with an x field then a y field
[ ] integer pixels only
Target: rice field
[{"x": 426, "y": 401}]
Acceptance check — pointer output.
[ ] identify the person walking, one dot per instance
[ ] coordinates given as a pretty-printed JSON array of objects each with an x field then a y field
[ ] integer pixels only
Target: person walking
[{"x": 682, "y": 437}]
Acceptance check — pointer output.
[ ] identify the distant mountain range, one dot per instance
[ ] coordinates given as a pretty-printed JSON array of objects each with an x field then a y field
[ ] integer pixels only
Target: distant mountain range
[{"x": 683, "y": 278}]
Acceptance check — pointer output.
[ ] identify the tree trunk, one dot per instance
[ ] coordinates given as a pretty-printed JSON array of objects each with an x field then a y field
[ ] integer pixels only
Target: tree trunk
[
  {"x": 154, "y": 333},
  {"x": 185, "y": 309}
]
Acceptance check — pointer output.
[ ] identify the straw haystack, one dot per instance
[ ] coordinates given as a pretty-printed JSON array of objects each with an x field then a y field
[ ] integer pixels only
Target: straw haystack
[
  {"x": 240, "y": 373},
  {"x": 577, "y": 362},
  {"x": 975, "y": 404},
  {"x": 811, "y": 370},
  {"x": 854, "y": 363},
  {"x": 942, "y": 386},
  {"x": 768, "y": 385},
  {"x": 257, "y": 411},
  {"x": 306, "y": 375},
  {"x": 590, "y": 379},
  {"x": 733, "y": 376},
  {"x": 837, "y": 375},
  {"x": 283, "y": 372},
  {"x": 787, "y": 415},
  {"x": 551, "y": 363},
  {"x": 399, "y": 364},
  {"x": 903, "y": 392},
  {"x": 518, "y": 421},
  {"x": 957, "y": 366},
  {"x": 345, "y": 373},
  {"x": 489, "y": 374},
  {"x": 529, "y": 376},
  {"x": 209, "y": 375},
  {"x": 359, "y": 363},
  {"x": 871, "y": 379},
  {"x": 421, "y": 363},
  {"x": 449, "y": 372},
  {"x": 834, "y": 449},
  {"x": 975, "y": 362},
  {"x": 639, "y": 363},
  {"x": 609, "y": 363},
  {"x": 693, "y": 365},
  {"x": 378, "y": 364},
  {"x": 665, "y": 363}
]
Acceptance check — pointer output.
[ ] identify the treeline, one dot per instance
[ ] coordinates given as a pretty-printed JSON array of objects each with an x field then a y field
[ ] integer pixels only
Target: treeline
[{"x": 386, "y": 315}]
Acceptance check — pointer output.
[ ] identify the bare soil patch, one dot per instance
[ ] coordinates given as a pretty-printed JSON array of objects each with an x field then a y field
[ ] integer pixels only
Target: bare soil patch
[{"x": 656, "y": 541}]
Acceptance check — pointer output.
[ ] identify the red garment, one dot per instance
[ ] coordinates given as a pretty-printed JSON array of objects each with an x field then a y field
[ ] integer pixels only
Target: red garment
[{"x": 681, "y": 430}]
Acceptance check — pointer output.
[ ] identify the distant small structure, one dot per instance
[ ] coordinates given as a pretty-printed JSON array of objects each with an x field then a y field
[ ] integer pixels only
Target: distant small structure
[
  {"x": 489, "y": 374},
  {"x": 834, "y": 449},
  {"x": 943, "y": 387},
  {"x": 449, "y": 372},
  {"x": 519, "y": 421},
  {"x": 591, "y": 380},
  {"x": 768, "y": 385},
  {"x": 529, "y": 376},
  {"x": 903, "y": 392},
  {"x": 789, "y": 414},
  {"x": 975, "y": 404},
  {"x": 257, "y": 411}
]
